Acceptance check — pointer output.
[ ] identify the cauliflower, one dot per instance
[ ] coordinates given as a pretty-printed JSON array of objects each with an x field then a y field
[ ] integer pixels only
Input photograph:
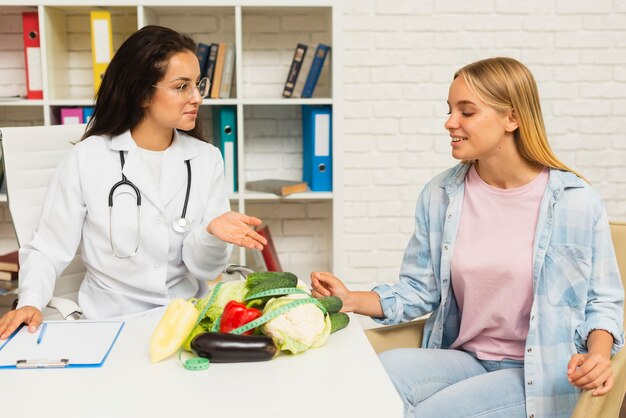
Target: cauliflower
[{"x": 298, "y": 329}]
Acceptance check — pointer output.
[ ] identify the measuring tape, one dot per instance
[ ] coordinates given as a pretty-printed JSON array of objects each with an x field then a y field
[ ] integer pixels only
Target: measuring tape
[
  {"x": 277, "y": 292},
  {"x": 199, "y": 363},
  {"x": 277, "y": 312},
  {"x": 282, "y": 291}
]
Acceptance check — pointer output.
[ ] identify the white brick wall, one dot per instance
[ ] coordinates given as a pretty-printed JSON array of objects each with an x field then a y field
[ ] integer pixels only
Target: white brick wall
[
  {"x": 273, "y": 145},
  {"x": 399, "y": 58}
]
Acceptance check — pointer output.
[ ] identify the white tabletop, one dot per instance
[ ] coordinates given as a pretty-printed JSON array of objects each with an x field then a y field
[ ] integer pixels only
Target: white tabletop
[{"x": 343, "y": 378}]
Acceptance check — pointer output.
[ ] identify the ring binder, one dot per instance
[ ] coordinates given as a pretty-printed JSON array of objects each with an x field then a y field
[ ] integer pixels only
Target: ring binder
[
  {"x": 317, "y": 147},
  {"x": 32, "y": 55},
  {"x": 101, "y": 44}
]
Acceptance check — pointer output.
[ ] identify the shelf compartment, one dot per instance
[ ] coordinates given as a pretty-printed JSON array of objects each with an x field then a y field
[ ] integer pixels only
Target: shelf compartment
[
  {"x": 12, "y": 68},
  {"x": 272, "y": 137},
  {"x": 203, "y": 24},
  {"x": 67, "y": 34},
  {"x": 269, "y": 38}
]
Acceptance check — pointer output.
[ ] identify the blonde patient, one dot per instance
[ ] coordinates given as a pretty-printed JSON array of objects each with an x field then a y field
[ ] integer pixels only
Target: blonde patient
[{"x": 511, "y": 257}]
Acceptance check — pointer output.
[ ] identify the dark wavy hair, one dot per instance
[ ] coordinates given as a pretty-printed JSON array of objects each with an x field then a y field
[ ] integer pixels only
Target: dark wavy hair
[{"x": 140, "y": 63}]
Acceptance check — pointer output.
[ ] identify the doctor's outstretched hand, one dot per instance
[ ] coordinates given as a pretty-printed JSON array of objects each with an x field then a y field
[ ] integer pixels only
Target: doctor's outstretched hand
[
  {"x": 237, "y": 228},
  {"x": 28, "y": 315}
]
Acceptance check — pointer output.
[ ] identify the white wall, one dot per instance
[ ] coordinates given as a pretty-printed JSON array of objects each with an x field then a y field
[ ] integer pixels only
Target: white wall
[{"x": 399, "y": 58}]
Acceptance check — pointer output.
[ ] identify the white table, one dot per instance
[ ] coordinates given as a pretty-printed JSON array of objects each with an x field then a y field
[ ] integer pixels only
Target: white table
[{"x": 343, "y": 378}]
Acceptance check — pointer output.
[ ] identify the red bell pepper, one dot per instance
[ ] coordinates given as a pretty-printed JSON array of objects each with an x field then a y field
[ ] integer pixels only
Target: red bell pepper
[{"x": 237, "y": 314}]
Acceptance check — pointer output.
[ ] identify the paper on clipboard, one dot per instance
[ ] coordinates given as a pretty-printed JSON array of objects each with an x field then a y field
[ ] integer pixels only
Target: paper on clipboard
[{"x": 82, "y": 343}]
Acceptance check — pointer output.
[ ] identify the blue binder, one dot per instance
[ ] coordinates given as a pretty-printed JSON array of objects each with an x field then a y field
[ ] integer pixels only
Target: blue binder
[
  {"x": 87, "y": 112},
  {"x": 321, "y": 52},
  {"x": 317, "y": 164},
  {"x": 225, "y": 138}
]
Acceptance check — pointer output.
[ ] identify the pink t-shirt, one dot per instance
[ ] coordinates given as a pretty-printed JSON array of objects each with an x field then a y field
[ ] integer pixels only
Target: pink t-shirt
[{"x": 492, "y": 266}]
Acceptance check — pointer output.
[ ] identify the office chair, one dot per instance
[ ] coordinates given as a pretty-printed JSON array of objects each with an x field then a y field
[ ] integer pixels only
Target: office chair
[
  {"x": 409, "y": 335},
  {"x": 30, "y": 156}
]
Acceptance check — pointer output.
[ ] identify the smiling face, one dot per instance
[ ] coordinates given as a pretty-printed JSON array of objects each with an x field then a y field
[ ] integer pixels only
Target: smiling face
[
  {"x": 478, "y": 131},
  {"x": 168, "y": 109}
]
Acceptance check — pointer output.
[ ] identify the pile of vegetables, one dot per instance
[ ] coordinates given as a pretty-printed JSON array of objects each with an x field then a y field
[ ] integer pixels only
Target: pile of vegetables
[{"x": 249, "y": 320}]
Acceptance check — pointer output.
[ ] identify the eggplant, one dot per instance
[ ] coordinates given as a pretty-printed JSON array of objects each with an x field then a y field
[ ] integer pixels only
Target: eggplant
[{"x": 231, "y": 348}]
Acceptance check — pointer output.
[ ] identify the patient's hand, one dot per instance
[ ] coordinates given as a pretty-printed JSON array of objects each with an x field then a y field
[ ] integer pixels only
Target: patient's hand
[
  {"x": 364, "y": 303},
  {"x": 28, "y": 315},
  {"x": 591, "y": 372},
  {"x": 326, "y": 284}
]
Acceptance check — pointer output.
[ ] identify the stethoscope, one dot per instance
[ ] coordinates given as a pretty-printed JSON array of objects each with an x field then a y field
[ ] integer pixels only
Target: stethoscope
[{"x": 180, "y": 224}]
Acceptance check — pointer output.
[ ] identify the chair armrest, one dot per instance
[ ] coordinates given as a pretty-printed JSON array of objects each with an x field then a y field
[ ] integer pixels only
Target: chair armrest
[
  {"x": 407, "y": 335},
  {"x": 58, "y": 308},
  {"x": 610, "y": 404},
  {"x": 68, "y": 309}
]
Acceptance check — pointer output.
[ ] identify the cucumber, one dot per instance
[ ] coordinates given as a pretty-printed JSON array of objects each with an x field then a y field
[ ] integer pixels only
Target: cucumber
[
  {"x": 338, "y": 320},
  {"x": 231, "y": 348},
  {"x": 332, "y": 303},
  {"x": 268, "y": 280}
]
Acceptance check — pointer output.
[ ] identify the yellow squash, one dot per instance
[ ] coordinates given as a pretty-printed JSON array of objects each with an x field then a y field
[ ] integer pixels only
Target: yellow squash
[{"x": 175, "y": 325}]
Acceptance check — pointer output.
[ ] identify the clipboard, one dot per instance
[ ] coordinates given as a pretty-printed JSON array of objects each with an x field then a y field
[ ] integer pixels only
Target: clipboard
[{"x": 60, "y": 344}]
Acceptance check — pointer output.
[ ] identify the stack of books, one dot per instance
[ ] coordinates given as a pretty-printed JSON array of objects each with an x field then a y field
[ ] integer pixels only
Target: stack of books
[
  {"x": 304, "y": 72},
  {"x": 217, "y": 62}
]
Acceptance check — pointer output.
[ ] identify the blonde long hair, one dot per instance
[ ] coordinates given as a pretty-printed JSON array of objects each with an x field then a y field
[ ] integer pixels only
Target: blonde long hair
[{"x": 506, "y": 84}]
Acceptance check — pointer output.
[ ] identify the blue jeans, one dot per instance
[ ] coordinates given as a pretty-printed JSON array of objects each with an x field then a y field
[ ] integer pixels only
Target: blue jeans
[{"x": 452, "y": 383}]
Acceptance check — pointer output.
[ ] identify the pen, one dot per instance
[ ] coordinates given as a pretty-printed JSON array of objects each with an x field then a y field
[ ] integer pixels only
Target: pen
[{"x": 43, "y": 330}]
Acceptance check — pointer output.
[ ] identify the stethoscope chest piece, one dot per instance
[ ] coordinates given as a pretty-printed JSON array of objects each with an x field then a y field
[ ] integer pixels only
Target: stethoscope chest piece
[{"x": 180, "y": 225}]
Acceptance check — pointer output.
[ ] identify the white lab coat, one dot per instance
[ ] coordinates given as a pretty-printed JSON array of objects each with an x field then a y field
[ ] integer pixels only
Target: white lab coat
[{"x": 76, "y": 212}]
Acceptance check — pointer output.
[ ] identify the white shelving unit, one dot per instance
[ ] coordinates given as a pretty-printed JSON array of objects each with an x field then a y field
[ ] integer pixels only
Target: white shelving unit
[{"x": 269, "y": 133}]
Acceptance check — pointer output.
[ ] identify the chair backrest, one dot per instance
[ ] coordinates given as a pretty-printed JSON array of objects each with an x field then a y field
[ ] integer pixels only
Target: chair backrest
[
  {"x": 31, "y": 156},
  {"x": 618, "y": 234}
]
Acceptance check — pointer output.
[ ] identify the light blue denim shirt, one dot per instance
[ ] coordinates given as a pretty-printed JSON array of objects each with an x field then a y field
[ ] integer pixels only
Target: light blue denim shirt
[{"x": 576, "y": 282}]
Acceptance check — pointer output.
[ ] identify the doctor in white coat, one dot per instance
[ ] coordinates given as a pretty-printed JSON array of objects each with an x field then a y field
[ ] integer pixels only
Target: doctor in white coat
[{"x": 141, "y": 195}]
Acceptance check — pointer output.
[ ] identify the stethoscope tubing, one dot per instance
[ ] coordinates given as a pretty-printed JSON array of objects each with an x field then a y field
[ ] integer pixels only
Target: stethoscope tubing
[
  {"x": 184, "y": 224},
  {"x": 188, "y": 189},
  {"x": 126, "y": 182}
]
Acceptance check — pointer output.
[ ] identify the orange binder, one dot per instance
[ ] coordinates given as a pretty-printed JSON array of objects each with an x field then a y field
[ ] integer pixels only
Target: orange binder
[{"x": 32, "y": 55}]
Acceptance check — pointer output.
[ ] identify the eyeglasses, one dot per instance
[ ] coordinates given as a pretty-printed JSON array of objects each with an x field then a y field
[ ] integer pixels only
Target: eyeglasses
[{"x": 186, "y": 90}]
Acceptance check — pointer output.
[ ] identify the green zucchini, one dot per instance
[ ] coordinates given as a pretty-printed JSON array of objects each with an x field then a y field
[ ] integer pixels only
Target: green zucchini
[
  {"x": 268, "y": 280},
  {"x": 338, "y": 320},
  {"x": 332, "y": 303}
]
